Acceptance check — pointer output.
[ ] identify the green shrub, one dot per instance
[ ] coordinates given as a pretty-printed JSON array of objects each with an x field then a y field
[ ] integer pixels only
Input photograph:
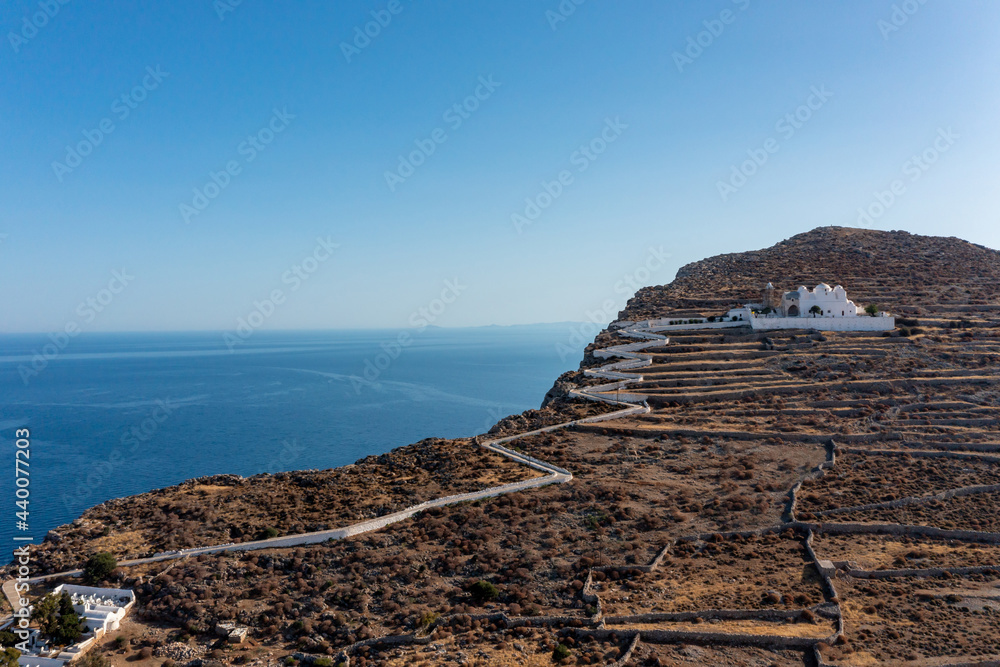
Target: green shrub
[
  {"x": 269, "y": 532},
  {"x": 323, "y": 662},
  {"x": 99, "y": 566},
  {"x": 484, "y": 591},
  {"x": 560, "y": 653}
]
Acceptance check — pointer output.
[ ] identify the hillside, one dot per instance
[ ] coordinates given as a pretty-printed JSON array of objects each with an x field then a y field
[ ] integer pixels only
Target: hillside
[
  {"x": 796, "y": 498},
  {"x": 899, "y": 271}
]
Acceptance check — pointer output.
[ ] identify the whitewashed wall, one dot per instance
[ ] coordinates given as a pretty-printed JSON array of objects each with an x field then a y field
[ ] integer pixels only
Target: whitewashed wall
[{"x": 824, "y": 323}]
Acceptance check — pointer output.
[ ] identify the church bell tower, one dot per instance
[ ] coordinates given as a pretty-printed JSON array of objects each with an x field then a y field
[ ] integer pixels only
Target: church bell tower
[{"x": 768, "y": 300}]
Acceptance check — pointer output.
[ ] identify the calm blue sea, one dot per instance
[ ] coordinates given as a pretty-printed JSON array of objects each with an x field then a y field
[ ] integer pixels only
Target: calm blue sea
[{"x": 117, "y": 414}]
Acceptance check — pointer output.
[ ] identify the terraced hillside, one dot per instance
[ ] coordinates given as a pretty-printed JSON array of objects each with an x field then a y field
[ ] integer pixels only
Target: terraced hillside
[
  {"x": 795, "y": 498},
  {"x": 905, "y": 273}
]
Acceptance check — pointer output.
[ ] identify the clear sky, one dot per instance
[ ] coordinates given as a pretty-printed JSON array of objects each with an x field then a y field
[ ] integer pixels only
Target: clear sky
[{"x": 309, "y": 127}]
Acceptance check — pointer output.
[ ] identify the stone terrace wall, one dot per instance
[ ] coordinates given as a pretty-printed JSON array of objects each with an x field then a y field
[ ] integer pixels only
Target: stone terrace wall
[
  {"x": 920, "y": 500},
  {"x": 860, "y": 323},
  {"x": 898, "y": 529}
]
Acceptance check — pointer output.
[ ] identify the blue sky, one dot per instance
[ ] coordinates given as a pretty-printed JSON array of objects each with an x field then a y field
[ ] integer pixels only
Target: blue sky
[{"x": 663, "y": 120}]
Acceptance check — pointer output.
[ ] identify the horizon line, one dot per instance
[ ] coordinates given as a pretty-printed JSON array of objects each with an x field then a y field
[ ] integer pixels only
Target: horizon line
[{"x": 303, "y": 330}]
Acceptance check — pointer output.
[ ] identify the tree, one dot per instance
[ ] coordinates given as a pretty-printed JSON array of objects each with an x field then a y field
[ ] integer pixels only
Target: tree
[
  {"x": 9, "y": 656},
  {"x": 57, "y": 620},
  {"x": 66, "y": 604},
  {"x": 46, "y": 614},
  {"x": 69, "y": 629},
  {"x": 99, "y": 566},
  {"x": 871, "y": 309},
  {"x": 816, "y": 310}
]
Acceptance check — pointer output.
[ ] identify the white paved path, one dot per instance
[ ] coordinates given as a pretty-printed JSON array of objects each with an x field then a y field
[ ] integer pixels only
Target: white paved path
[{"x": 607, "y": 393}]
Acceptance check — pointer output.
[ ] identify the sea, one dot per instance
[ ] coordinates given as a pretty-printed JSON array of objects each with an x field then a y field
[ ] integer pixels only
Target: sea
[{"x": 111, "y": 415}]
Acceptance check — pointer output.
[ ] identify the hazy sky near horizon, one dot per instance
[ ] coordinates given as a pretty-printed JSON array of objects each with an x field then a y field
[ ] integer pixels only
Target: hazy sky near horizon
[{"x": 186, "y": 165}]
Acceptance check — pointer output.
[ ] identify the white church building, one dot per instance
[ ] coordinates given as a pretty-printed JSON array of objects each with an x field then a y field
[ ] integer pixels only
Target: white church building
[
  {"x": 823, "y": 301},
  {"x": 823, "y": 308},
  {"x": 100, "y": 609}
]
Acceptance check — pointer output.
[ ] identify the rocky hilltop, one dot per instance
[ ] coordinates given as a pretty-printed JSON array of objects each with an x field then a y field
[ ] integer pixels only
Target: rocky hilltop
[
  {"x": 902, "y": 272},
  {"x": 796, "y": 498}
]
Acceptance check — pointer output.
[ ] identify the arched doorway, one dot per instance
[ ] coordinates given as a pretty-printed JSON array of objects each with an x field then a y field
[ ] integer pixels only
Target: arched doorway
[{"x": 793, "y": 311}]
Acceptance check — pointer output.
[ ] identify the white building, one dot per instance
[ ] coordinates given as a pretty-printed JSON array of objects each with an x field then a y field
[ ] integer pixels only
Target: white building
[
  {"x": 100, "y": 609},
  {"x": 823, "y": 308},
  {"x": 823, "y": 301}
]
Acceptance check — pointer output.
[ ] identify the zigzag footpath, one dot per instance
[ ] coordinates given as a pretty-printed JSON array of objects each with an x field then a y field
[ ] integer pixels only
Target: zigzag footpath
[
  {"x": 555, "y": 475},
  {"x": 619, "y": 376}
]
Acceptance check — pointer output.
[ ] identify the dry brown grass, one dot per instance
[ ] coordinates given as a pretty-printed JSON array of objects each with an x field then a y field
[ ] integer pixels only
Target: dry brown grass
[
  {"x": 811, "y": 630},
  {"x": 883, "y": 552}
]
